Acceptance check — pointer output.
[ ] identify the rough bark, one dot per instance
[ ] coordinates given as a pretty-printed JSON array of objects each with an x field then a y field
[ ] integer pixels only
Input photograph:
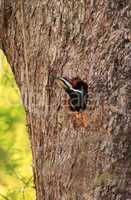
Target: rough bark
[{"x": 92, "y": 39}]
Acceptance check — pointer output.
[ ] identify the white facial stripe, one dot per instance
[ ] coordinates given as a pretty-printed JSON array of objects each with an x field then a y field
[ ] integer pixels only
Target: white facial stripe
[
  {"x": 75, "y": 90},
  {"x": 70, "y": 86},
  {"x": 67, "y": 83}
]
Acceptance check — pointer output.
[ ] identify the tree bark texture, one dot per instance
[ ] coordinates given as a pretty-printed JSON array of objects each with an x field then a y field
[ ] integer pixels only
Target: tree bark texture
[{"x": 92, "y": 40}]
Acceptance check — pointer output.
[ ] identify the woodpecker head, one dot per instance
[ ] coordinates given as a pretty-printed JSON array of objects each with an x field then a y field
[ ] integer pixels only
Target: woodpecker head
[
  {"x": 64, "y": 83},
  {"x": 77, "y": 91}
]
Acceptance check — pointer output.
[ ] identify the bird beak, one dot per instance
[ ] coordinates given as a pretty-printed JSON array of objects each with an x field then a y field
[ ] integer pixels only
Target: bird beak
[{"x": 64, "y": 83}]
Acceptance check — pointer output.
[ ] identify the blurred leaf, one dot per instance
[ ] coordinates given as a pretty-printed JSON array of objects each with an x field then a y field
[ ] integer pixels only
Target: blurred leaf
[{"x": 16, "y": 177}]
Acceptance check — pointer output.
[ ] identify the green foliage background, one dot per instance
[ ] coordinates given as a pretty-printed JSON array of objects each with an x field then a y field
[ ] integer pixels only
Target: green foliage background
[{"x": 16, "y": 178}]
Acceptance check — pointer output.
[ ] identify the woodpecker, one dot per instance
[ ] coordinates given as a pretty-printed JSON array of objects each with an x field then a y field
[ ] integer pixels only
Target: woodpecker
[{"x": 77, "y": 91}]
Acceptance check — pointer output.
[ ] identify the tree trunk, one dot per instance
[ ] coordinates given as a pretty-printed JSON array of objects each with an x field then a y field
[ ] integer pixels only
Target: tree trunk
[{"x": 88, "y": 158}]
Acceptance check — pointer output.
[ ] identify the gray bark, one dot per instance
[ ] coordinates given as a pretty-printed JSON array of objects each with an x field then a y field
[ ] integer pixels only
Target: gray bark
[{"x": 89, "y": 158}]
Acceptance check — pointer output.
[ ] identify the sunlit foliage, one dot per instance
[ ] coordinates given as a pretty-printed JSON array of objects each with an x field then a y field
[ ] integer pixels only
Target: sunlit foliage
[{"x": 16, "y": 178}]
